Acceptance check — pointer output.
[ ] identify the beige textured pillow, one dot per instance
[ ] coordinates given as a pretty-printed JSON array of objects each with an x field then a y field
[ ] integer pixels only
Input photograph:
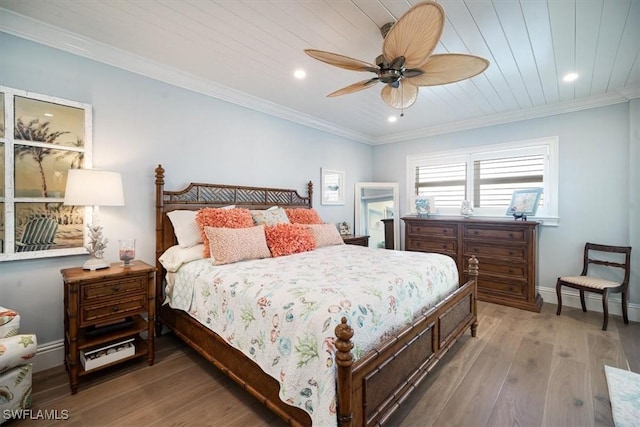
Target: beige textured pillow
[
  {"x": 325, "y": 235},
  {"x": 230, "y": 245}
]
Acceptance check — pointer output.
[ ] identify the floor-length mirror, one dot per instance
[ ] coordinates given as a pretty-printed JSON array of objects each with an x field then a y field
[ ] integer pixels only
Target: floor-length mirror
[{"x": 375, "y": 201}]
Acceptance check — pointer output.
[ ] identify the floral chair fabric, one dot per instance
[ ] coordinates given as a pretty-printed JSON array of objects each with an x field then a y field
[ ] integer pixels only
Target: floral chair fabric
[{"x": 16, "y": 350}]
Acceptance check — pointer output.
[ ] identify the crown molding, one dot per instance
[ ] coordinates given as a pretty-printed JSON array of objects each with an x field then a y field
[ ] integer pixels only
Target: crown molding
[
  {"x": 516, "y": 116},
  {"x": 39, "y": 32}
]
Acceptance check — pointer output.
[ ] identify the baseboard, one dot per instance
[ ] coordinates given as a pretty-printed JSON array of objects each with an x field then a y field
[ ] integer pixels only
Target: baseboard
[
  {"x": 49, "y": 355},
  {"x": 571, "y": 298}
]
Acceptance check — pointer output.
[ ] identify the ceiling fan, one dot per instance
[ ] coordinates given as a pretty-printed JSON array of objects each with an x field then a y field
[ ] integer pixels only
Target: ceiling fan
[{"x": 406, "y": 61}]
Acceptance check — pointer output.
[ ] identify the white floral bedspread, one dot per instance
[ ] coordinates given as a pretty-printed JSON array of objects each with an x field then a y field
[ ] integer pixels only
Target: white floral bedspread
[{"x": 281, "y": 312}]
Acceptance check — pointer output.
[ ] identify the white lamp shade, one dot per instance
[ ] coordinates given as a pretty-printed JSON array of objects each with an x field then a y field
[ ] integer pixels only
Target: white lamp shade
[{"x": 91, "y": 187}]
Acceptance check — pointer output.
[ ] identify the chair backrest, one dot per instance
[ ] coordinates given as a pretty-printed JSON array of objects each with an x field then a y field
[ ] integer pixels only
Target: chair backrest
[
  {"x": 39, "y": 234},
  {"x": 590, "y": 251}
]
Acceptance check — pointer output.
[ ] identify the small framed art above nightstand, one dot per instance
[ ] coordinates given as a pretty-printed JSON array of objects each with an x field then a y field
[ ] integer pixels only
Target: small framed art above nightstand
[{"x": 352, "y": 239}]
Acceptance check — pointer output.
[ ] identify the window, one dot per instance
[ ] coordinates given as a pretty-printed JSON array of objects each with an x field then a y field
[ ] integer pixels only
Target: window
[
  {"x": 41, "y": 138},
  {"x": 487, "y": 176}
]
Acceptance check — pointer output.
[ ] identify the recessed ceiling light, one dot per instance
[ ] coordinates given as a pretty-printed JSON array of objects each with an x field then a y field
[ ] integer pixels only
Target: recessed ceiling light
[
  {"x": 392, "y": 119},
  {"x": 570, "y": 77},
  {"x": 48, "y": 115},
  {"x": 299, "y": 74}
]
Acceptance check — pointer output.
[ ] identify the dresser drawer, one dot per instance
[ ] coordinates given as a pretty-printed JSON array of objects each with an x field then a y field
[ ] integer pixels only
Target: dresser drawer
[
  {"x": 113, "y": 310},
  {"x": 497, "y": 286},
  {"x": 495, "y": 233},
  {"x": 479, "y": 250},
  {"x": 514, "y": 270},
  {"x": 112, "y": 288},
  {"x": 448, "y": 247},
  {"x": 435, "y": 230}
]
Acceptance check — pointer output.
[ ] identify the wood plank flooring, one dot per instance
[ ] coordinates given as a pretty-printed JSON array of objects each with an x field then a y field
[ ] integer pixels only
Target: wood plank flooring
[{"x": 523, "y": 369}]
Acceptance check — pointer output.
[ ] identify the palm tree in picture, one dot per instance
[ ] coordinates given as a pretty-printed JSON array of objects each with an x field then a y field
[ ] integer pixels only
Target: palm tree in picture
[{"x": 36, "y": 132}]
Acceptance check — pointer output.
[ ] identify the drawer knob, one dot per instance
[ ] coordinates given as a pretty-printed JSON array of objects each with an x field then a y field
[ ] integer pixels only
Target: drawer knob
[
  {"x": 510, "y": 270},
  {"x": 116, "y": 308},
  {"x": 444, "y": 246},
  {"x": 444, "y": 231},
  {"x": 476, "y": 232},
  {"x": 510, "y": 252},
  {"x": 116, "y": 289},
  {"x": 510, "y": 234}
]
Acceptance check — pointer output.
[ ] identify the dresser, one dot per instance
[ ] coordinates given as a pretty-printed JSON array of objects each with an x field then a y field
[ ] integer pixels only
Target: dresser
[
  {"x": 103, "y": 317},
  {"x": 506, "y": 250}
]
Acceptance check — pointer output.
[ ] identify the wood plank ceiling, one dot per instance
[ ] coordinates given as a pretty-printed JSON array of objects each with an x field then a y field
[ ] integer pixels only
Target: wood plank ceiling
[{"x": 245, "y": 51}]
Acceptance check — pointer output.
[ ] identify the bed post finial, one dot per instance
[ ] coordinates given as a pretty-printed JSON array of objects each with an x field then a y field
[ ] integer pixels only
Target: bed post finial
[
  {"x": 159, "y": 175},
  {"x": 344, "y": 360},
  {"x": 473, "y": 272}
]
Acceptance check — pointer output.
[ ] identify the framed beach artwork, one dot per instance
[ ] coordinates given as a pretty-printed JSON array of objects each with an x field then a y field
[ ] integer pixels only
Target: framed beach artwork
[
  {"x": 332, "y": 187},
  {"x": 41, "y": 138},
  {"x": 524, "y": 203}
]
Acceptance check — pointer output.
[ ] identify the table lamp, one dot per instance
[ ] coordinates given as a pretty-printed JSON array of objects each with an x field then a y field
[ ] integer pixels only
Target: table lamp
[{"x": 92, "y": 187}]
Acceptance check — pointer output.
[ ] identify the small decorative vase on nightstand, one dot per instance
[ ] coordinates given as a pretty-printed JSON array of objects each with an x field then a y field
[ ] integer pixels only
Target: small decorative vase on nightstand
[{"x": 127, "y": 251}]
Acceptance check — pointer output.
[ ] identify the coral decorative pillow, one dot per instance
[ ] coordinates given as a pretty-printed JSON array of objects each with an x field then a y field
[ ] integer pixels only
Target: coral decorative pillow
[
  {"x": 287, "y": 239},
  {"x": 325, "y": 235},
  {"x": 230, "y": 245},
  {"x": 227, "y": 218},
  {"x": 303, "y": 216}
]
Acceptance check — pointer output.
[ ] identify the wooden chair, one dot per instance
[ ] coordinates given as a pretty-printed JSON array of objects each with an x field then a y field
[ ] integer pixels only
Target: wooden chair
[{"x": 590, "y": 283}]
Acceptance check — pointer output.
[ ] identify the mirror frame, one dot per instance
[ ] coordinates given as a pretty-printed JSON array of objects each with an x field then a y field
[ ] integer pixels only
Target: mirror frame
[{"x": 395, "y": 187}]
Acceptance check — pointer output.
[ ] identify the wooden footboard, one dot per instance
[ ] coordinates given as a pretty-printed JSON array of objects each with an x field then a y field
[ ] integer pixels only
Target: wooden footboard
[{"x": 371, "y": 389}]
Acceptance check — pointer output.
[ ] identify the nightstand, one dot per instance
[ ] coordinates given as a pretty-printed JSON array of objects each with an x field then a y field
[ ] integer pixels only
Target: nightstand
[
  {"x": 103, "y": 316},
  {"x": 352, "y": 239}
]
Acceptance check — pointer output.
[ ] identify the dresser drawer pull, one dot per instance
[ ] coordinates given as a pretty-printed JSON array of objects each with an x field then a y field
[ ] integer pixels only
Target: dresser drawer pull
[
  {"x": 116, "y": 308},
  {"x": 510, "y": 234},
  {"x": 510, "y": 252},
  {"x": 444, "y": 246},
  {"x": 116, "y": 289},
  {"x": 476, "y": 232},
  {"x": 444, "y": 231},
  {"x": 510, "y": 270}
]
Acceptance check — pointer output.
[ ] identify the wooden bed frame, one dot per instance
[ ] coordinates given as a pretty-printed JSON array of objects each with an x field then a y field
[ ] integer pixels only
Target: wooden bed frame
[{"x": 370, "y": 389}]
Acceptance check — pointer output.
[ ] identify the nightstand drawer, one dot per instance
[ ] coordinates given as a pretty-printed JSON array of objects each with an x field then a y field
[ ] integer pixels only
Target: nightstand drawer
[
  {"x": 114, "y": 310},
  {"x": 110, "y": 288}
]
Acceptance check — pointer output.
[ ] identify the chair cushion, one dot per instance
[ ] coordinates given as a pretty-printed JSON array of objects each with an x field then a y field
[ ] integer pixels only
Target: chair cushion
[{"x": 590, "y": 282}]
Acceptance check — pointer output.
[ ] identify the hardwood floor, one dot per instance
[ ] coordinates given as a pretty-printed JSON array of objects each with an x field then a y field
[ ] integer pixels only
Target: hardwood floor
[{"x": 523, "y": 369}]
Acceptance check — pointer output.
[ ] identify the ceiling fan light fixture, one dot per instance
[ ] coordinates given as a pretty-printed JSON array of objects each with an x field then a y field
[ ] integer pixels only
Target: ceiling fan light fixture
[
  {"x": 407, "y": 61},
  {"x": 299, "y": 74},
  {"x": 392, "y": 119}
]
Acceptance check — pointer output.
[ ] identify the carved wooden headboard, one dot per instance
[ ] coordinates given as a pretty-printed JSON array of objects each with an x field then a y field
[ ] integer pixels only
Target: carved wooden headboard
[{"x": 199, "y": 195}]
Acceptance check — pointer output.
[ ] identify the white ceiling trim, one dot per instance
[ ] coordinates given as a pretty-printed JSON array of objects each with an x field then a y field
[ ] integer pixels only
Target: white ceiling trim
[{"x": 37, "y": 31}]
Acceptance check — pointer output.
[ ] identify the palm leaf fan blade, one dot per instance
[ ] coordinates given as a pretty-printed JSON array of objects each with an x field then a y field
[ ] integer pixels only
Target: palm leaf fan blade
[
  {"x": 354, "y": 87},
  {"x": 341, "y": 61},
  {"x": 415, "y": 35},
  {"x": 447, "y": 68},
  {"x": 402, "y": 97}
]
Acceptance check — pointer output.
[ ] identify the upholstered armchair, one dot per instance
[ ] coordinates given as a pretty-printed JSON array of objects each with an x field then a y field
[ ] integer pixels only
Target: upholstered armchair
[{"x": 16, "y": 350}]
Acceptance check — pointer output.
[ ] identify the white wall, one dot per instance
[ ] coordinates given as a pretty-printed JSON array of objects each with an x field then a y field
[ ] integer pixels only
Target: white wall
[
  {"x": 139, "y": 123},
  {"x": 594, "y": 179}
]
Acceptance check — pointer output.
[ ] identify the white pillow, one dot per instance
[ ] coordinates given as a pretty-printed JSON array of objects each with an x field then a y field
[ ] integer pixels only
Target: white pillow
[
  {"x": 175, "y": 256},
  {"x": 185, "y": 227}
]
